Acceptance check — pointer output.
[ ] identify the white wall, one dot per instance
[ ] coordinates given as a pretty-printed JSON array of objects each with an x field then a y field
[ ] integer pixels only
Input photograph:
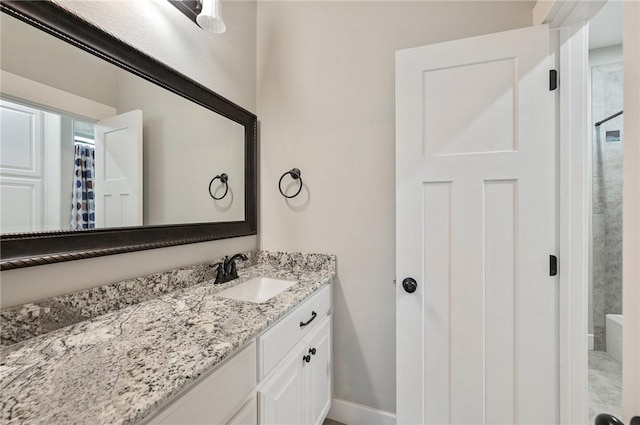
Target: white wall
[
  {"x": 67, "y": 154},
  {"x": 53, "y": 165},
  {"x": 326, "y": 106},
  {"x": 225, "y": 63},
  {"x": 603, "y": 55}
]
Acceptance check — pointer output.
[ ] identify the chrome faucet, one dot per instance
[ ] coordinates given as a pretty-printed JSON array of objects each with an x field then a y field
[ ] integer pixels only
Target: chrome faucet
[{"x": 227, "y": 269}]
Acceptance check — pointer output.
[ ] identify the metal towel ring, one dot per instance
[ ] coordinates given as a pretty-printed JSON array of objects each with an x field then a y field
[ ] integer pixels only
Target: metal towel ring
[
  {"x": 224, "y": 178},
  {"x": 296, "y": 175}
]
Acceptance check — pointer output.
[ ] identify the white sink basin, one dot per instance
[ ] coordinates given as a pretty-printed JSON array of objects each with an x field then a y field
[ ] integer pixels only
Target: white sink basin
[{"x": 257, "y": 290}]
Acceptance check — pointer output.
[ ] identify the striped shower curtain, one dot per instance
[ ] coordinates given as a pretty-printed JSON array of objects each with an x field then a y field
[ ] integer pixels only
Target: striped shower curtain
[{"x": 83, "y": 207}]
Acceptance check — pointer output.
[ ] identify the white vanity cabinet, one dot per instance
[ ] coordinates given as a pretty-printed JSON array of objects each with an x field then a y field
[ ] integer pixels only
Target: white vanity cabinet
[
  {"x": 317, "y": 374},
  {"x": 218, "y": 398},
  {"x": 282, "y": 377},
  {"x": 297, "y": 388},
  {"x": 282, "y": 398},
  {"x": 247, "y": 415}
]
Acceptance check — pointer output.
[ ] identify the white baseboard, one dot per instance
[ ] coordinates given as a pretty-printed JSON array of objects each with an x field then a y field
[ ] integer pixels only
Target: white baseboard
[
  {"x": 590, "y": 341},
  {"x": 358, "y": 414}
]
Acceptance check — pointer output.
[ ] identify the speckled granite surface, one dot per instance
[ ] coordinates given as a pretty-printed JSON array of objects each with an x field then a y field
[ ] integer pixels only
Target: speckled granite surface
[
  {"x": 32, "y": 319},
  {"x": 120, "y": 367}
]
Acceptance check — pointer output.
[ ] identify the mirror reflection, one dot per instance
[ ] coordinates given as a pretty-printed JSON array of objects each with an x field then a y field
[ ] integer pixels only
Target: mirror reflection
[{"x": 85, "y": 144}]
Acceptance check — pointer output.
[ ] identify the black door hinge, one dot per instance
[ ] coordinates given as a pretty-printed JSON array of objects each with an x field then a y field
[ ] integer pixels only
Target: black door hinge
[
  {"x": 553, "y": 79},
  {"x": 553, "y": 265}
]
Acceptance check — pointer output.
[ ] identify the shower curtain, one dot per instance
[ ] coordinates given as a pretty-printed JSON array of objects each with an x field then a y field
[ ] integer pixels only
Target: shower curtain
[{"x": 83, "y": 207}]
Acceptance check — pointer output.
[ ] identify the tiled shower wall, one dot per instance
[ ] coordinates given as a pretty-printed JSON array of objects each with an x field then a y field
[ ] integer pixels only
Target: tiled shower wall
[{"x": 606, "y": 96}]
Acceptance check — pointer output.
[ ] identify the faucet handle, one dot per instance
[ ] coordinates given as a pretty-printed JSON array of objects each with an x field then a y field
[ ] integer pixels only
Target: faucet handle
[
  {"x": 234, "y": 270},
  {"x": 219, "y": 274}
]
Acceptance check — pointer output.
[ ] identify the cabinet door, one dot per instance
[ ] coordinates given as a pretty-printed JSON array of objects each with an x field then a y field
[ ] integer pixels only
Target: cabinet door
[
  {"x": 248, "y": 415},
  {"x": 213, "y": 399},
  {"x": 318, "y": 373},
  {"x": 282, "y": 399}
]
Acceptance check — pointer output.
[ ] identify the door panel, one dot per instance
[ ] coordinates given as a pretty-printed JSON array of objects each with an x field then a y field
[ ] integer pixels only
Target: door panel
[
  {"x": 119, "y": 170},
  {"x": 282, "y": 399},
  {"x": 480, "y": 94},
  {"x": 476, "y": 343},
  {"x": 500, "y": 290},
  {"x": 437, "y": 201},
  {"x": 248, "y": 415},
  {"x": 318, "y": 373},
  {"x": 21, "y": 168},
  {"x": 21, "y": 199},
  {"x": 21, "y": 133}
]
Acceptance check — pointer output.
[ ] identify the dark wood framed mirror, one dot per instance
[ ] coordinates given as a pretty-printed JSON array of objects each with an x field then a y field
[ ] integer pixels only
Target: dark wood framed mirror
[
  {"x": 189, "y": 8},
  {"x": 19, "y": 250}
]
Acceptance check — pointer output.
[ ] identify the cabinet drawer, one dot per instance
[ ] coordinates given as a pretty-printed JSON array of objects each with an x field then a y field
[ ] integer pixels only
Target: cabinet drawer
[
  {"x": 214, "y": 398},
  {"x": 274, "y": 344}
]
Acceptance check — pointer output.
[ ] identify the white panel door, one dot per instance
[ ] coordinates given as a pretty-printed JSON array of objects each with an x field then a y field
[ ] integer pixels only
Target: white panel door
[
  {"x": 21, "y": 201},
  {"x": 118, "y": 191},
  {"x": 21, "y": 169},
  {"x": 477, "y": 340}
]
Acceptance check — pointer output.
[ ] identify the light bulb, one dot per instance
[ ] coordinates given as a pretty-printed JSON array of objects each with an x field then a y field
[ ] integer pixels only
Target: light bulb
[{"x": 210, "y": 18}]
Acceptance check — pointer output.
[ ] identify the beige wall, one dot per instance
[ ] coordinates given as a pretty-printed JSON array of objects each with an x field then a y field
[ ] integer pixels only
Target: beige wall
[
  {"x": 185, "y": 145},
  {"x": 326, "y": 106},
  {"x": 32, "y": 54},
  {"x": 225, "y": 63}
]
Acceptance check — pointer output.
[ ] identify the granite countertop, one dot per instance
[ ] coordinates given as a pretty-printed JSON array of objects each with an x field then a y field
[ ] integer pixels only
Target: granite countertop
[{"x": 120, "y": 367}]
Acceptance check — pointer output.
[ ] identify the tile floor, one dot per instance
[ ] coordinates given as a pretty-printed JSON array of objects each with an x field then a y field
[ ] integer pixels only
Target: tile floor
[{"x": 605, "y": 385}]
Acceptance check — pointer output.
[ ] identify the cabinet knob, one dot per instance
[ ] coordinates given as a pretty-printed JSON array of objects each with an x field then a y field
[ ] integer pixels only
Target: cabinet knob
[
  {"x": 306, "y": 358},
  {"x": 312, "y": 351}
]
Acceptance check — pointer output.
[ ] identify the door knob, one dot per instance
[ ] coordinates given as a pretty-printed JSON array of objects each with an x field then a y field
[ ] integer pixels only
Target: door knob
[
  {"x": 410, "y": 285},
  {"x": 606, "y": 419}
]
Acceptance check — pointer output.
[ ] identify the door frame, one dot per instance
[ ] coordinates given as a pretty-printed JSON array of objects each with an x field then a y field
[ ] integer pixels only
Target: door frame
[
  {"x": 570, "y": 19},
  {"x": 631, "y": 207}
]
